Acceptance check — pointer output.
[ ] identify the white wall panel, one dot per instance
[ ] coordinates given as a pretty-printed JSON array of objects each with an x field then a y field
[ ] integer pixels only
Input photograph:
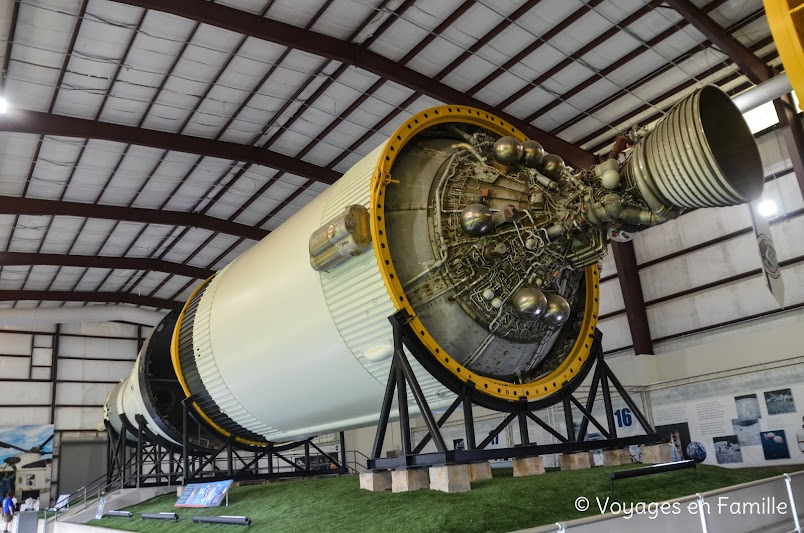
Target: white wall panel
[
  {"x": 611, "y": 296},
  {"x": 82, "y": 393},
  {"x": 103, "y": 329},
  {"x": 615, "y": 332},
  {"x": 25, "y": 393},
  {"x": 42, "y": 356},
  {"x": 14, "y": 367},
  {"x": 78, "y": 417},
  {"x": 15, "y": 344},
  {"x": 40, "y": 373},
  {"x": 70, "y": 369},
  {"x": 20, "y": 415},
  {"x": 43, "y": 341},
  {"x": 741, "y": 299},
  {"x": 97, "y": 347}
]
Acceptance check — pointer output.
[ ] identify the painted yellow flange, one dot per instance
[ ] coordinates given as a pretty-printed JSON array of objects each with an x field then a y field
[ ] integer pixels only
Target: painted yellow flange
[
  {"x": 786, "y": 20},
  {"x": 174, "y": 357},
  {"x": 534, "y": 390}
]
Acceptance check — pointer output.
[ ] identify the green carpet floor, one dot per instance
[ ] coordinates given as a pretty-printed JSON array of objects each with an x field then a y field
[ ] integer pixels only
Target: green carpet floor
[{"x": 500, "y": 505}]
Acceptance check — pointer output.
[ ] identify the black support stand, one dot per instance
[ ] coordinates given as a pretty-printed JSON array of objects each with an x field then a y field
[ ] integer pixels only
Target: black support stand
[
  {"x": 136, "y": 457},
  {"x": 401, "y": 376}
]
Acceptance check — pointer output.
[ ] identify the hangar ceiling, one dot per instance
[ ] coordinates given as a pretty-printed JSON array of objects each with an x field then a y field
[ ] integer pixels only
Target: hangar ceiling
[{"x": 150, "y": 142}]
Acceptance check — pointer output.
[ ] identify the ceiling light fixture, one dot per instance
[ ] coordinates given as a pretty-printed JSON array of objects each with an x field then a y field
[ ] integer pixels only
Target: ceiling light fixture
[
  {"x": 766, "y": 208},
  {"x": 3, "y": 105}
]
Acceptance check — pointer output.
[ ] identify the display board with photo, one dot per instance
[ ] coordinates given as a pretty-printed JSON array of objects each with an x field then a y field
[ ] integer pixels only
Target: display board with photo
[
  {"x": 780, "y": 402},
  {"x": 774, "y": 445},
  {"x": 744, "y": 420},
  {"x": 728, "y": 450}
]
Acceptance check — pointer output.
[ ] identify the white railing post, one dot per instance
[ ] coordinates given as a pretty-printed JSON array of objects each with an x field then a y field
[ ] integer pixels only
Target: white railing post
[
  {"x": 789, "y": 483},
  {"x": 702, "y": 513}
]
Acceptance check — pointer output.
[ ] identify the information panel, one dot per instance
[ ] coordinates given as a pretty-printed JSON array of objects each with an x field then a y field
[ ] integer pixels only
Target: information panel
[{"x": 204, "y": 494}]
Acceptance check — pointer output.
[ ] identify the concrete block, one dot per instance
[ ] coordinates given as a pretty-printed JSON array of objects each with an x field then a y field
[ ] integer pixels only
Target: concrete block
[
  {"x": 616, "y": 457},
  {"x": 656, "y": 454},
  {"x": 450, "y": 478},
  {"x": 480, "y": 471},
  {"x": 576, "y": 461},
  {"x": 376, "y": 481},
  {"x": 528, "y": 466},
  {"x": 409, "y": 480}
]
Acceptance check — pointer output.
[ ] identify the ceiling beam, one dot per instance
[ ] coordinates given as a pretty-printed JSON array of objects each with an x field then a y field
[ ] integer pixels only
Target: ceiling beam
[
  {"x": 753, "y": 67},
  {"x": 628, "y": 273},
  {"x": 95, "y": 261},
  {"x": 351, "y": 54},
  {"x": 21, "y": 121},
  {"x": 14, "y": 205},
  {"x": 89, "y": 296}
]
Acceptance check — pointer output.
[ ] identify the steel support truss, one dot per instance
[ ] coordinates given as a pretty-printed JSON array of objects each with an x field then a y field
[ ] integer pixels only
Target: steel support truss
[
  {"x": 401, "y": 376},
  {"x": 136, "y": 457}
]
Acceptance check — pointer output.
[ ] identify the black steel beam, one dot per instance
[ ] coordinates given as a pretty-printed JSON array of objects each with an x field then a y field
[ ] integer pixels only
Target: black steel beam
[
  {"x": 13, "y": 205},
  {"x": 628, "y": 272},
  {"x": 88, "y": 296},
  {"x": 351, "y": 54},
  {"x": 96, "y": 261},
  {"x": 753, "y": 67},
  {"x": 21, "y": 121}
]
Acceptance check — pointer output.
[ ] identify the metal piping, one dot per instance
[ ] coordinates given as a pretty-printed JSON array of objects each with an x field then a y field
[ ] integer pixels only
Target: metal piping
[
  {"x": 67, "y": 315},
  {"x": 763, "y": 93}
]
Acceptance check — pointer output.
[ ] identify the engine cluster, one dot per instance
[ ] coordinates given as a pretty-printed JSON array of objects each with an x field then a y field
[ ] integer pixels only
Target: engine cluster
[{"x": 515, "y": 228}]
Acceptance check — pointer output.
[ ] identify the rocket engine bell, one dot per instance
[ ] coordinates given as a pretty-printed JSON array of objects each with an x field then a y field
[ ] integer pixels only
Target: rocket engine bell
[{"x": 489, "y": 243}]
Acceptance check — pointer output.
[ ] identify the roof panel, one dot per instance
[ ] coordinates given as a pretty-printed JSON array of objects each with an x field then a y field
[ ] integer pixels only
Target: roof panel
[
  {"x": 413, "y": 26},
  {"x": 342, "y": 17},
  {"x": 163, "y": 170},
  {"x": 148, "y": 243},
  {"x": 147, "y": 283},
  {"x": 212, "y": 250},
  {"x": 92, "y": 236},
  {"x": 28, "y": 233},
  {"x": 63, "y": 231},
  {"x": 89, "y": 180},
  {"x": 120, "y": 238},
  {"x": 202, "y": 178},
  {"x": 91, "y": 279},
  {"x": 237, "y": 194},
  {"x": 40, "y": 277},
  {"x": 174, "y": 284},
  {"x": 16, "y": 153},
  {"x": 12, "y": 277},
  {"x": 295, "y": 12},
  {"x": 283, "y": 83}
]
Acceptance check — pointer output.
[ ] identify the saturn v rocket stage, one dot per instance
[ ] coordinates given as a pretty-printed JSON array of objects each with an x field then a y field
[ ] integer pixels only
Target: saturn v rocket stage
[{"x": 490, "y": 244}]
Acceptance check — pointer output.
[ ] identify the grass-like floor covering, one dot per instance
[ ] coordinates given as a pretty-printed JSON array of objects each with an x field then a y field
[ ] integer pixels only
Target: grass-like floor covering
[{"x": 501, "y": 505}]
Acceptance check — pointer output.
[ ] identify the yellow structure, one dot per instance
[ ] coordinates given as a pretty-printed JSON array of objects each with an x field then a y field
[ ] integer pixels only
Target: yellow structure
[{"x": 786, "y": 19}]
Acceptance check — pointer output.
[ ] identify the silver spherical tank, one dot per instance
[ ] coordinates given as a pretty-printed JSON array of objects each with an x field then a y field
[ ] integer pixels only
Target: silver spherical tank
[
  {"x": 553, "y": 166},
  {"x": 508, "y": 151},
  {"x": 476, "y": 220},
  {"x": 529, "y": 303},
  {"x": 557, "y": 312},
  {"x": 533, "y": 153}
]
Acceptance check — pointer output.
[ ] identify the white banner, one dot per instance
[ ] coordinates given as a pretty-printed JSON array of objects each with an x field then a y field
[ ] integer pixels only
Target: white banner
[{"x": 767, "y": 253}]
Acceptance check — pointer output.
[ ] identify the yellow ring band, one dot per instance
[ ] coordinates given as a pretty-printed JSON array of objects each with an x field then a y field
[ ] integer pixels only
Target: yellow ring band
[{"x": 541, "y": 388}]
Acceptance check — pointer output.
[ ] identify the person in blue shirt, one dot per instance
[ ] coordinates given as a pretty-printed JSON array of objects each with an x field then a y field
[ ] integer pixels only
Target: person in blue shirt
[{"x": 8, "y": 510}]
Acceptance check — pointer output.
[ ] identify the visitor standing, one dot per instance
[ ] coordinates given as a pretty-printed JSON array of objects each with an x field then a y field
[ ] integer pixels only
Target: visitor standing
[{"x": 8, "y": 511}]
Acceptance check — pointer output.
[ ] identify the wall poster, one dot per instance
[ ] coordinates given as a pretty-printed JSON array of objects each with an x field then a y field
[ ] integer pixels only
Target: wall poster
[
  {"x": 742, "y": 421},
  {"x": 26, "y": 457}
]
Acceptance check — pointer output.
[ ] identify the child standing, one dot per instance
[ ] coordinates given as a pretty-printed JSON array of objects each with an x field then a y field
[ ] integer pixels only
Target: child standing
[{"x": 8, "y": 510}]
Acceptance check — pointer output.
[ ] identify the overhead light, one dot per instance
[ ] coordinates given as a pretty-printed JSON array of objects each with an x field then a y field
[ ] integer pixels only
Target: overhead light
[
  {"x": 766, "y": 208},
  {"x": 3, "y": 105}
]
